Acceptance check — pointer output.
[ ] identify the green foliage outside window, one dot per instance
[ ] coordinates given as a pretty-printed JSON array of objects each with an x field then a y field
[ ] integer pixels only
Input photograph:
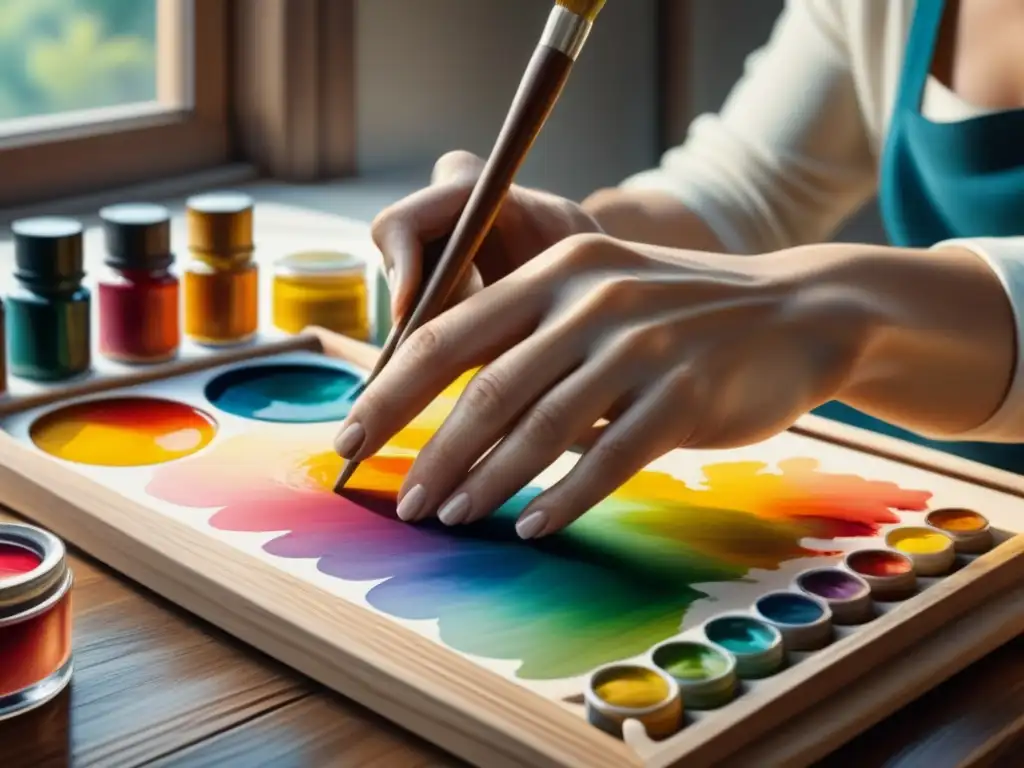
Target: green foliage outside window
[{"x": 61, "y": 55}]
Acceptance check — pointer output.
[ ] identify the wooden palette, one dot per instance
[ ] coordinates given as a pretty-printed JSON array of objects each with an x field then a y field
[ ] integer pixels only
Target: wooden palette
[{"x": 480, "y": 643}]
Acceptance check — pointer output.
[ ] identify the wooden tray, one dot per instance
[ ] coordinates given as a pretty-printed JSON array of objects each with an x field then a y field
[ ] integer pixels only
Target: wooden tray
[{"x": 792, "y": 719}]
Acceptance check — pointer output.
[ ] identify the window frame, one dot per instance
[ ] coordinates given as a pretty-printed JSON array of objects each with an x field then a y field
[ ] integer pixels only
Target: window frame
[{"x": 188, "y": 129}]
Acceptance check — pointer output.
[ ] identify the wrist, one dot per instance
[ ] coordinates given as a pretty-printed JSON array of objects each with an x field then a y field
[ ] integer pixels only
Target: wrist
[{"x": 934, "y": 340}]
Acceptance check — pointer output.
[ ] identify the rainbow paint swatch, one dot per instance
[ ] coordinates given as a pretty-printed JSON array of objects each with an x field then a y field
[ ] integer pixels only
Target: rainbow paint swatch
[
  {"x": 123, "y": 431},
  {"x": 615, "y": 583}
]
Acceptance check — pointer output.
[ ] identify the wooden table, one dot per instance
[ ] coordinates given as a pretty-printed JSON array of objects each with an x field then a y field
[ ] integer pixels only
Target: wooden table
[{"x": 155, "y": 686}]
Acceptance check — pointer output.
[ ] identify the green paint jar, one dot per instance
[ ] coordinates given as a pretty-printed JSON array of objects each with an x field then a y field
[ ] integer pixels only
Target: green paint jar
[{"x": 48, "y": 312}]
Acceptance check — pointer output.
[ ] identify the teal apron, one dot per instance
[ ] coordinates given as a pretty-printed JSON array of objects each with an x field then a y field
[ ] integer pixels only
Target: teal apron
[{"x": 941, "y": 181}]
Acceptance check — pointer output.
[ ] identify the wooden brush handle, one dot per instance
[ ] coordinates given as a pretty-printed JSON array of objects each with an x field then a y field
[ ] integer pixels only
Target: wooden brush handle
[{"x": 540, "y": 88}]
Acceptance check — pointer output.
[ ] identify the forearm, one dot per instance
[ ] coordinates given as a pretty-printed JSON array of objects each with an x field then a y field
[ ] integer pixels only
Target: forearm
[
  {"x": 939, "y": 352},
  {"x": 655, "y": 218}
]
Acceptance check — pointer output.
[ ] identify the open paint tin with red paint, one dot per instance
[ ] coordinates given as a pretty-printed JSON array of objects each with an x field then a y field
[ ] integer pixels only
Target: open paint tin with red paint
[{"x": 35, "y": 618}]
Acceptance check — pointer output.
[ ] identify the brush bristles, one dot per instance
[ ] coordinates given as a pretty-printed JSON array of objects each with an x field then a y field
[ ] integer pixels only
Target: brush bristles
[{"x": 588, "y": 9}]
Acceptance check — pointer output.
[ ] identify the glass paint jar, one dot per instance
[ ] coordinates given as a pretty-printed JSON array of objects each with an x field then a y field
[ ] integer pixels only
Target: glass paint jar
[
  {"x": 221, "y": 281},
  {"x": 323, "y": 288},
  {"x": 35, "y": 618},
  {"x": 138, "y": 295},
  {"x": 48, "y": 310}
]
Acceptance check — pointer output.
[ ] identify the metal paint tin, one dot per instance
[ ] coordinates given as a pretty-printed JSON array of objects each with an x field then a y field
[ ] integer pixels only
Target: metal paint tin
[{"x": 35, "y": 618}]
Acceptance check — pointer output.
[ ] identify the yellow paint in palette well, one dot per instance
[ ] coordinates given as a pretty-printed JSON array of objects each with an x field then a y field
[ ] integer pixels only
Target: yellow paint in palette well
[
  {"x": 631, "y": 687},
  {"x": 917, "y": 541}
]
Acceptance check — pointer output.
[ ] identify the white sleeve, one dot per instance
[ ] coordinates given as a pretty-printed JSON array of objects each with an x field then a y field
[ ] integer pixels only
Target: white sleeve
[
  {"x": 1005, "y": 255},
  {"x": 788, "y": 157}
]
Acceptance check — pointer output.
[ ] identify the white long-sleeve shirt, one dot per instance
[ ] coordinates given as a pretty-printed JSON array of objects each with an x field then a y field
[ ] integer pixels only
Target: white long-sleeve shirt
[{"x": 795, "y": 148}]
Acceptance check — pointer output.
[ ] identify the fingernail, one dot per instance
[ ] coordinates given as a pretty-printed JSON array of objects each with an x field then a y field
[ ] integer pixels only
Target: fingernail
[
  {"x": 531, "y": 525},
  {"x": 455, "y": 511},
  {"x": 347, "y": 443},
  {"x": 410, "y": 504}
]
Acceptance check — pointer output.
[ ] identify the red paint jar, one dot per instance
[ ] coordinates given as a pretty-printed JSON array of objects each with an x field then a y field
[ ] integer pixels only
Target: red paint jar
[
  {"x": 138, "y": 296},
  {"x": 35, "y": 618}
]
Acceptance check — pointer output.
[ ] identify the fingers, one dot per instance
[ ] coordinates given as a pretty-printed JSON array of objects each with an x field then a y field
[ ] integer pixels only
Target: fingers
[
  {"x": 486, "y": 410},
  {"x": 541, "y": 433},
  {"x": 649, "y": 429},
  {"x": 468, "y": 335},
  {"x": 458, "y": 167},
  {"x": 402, "y": 231}
]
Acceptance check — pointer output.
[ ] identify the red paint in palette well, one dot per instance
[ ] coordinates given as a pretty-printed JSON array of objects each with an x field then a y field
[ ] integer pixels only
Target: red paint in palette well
[
  {"x": 880, "y": 564},
  {"x": 15, "y": 561}
]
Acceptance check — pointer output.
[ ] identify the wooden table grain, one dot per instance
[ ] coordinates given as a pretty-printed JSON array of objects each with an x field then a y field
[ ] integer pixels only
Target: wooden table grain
[{"x": 155, "y": 686}]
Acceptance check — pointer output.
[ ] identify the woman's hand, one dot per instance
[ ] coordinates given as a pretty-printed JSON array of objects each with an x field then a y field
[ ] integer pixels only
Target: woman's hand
[
  {"x": 529, "y": 223},
  {"x": 675, "y": 348}
]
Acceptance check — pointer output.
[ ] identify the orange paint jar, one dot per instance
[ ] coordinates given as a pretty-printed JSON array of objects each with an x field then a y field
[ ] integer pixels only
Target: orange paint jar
[
  {"x": 35, "y": 618},
  {"x": 221, "y": 282}
]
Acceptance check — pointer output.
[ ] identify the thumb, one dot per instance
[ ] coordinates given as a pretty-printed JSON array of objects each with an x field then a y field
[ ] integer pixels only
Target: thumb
[{"x": 403, "y": 231}]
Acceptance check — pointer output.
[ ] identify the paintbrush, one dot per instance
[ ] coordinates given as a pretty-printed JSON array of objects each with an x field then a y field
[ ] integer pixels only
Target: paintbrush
[{"x": 563, "y": 38}]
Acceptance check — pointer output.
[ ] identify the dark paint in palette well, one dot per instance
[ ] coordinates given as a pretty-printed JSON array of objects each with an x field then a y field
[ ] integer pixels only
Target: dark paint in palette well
[{"x": 291, "y": 393}]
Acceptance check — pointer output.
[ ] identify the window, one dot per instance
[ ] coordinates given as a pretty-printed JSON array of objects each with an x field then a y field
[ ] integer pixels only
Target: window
[{"x": 101, "y": 93}]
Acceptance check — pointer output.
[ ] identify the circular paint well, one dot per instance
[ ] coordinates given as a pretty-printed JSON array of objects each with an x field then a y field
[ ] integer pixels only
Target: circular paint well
[
  {"x": 123, "y": 431},
  {"x": 957, "y": 520},
  {"x": 691, "y": 661},
  {"x": 17, "y": 561},
  {"x": 741, "y": 635},
  {"x": 789, "y": 608},
  {"x": 832, "y": 584},
  {"x": 918, "y": 541},
  {"x": 631, "y": 687},
  {"x": 287, "y": 393},
  {"x": 879, "y": 563}
]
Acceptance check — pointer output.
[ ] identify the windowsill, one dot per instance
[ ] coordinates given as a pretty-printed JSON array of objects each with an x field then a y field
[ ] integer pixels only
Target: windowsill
[{"x": 289, "y": 218}]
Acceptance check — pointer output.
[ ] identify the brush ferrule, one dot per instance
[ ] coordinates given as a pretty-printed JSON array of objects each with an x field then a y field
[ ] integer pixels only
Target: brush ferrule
[{"x": 566, "y": 32}]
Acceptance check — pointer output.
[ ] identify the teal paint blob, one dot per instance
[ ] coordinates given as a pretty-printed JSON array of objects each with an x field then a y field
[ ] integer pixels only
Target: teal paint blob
[
  {"x": 789, "y": 609},
  {"x": 741, "y": 635},
  {"x": 292, "y": 393}
]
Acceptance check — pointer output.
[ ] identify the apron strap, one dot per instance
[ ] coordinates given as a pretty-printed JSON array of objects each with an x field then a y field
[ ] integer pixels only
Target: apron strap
[{"x": 920, "y": 50}]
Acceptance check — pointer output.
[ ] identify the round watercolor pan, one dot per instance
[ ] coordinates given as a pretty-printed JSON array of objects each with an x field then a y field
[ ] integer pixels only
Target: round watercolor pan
[
  {"x": 890, "y": 574},
  {"x": 970, "y": 530},
  {"x": 619, "y": 692},
  {"x": 931, "y": 551},
  {"x": 757, "y": 645},
  {"x": 805, "y": 622},
  {"x": 847, "y": 595},
  {"x": 706, "y": 675},
  {"x": 123, "y": 431},
  {"x": 284, "y": 393}
]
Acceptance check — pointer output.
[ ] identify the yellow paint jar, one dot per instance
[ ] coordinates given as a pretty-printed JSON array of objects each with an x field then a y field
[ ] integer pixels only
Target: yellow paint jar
[
  {"x": 620, "y": 692},
  {"x": 324, "y": 288},
  {"x": 931, "y": 551}
]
